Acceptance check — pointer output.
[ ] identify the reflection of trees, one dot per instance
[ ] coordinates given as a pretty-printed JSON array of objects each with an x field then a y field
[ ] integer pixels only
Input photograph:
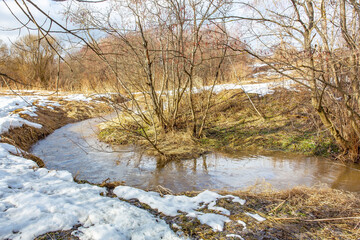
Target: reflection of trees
[
  {"x": 194, "y": 165},
  {"x": 348, "y": 179},
  {"x": 181, "y": 175},
  {"x": 321, "y": 170},
  {"x": 205, "y": 169}
]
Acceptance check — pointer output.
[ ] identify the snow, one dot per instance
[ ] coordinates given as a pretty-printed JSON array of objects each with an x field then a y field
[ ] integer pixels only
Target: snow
[
  {"x": 258, "y": 88},
  {"x": 215, "y": 221},
  {"x": 224, "y": 211},
  {"x": 36, "y": 201},
  {"x": 174, "y": 225},
  {"x": 242, "y": 223},
  {"x": 234, "y": 236},
  {"x": 261, "y": 89},
  {"x": 14, "y": 121},
  {"x": 78, "y": 97},
  {"x": 256, "y": 216},
  {"x": 259, "y": 65},
  {"x": 8, "y": 104},
  {"x": 171, "y": 205}
]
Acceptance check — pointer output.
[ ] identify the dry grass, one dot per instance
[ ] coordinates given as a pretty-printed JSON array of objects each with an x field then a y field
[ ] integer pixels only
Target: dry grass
[
  {"x": 59, "y": 235},
  {"x": 234, "y": 125},
  {"x": 299, "y": 213},
  {"x": 179, "y": 145},
  {"x": 294, "y": 126},
  {"x": 124, "y": 130},
  {"x": 303, "y": 213}
]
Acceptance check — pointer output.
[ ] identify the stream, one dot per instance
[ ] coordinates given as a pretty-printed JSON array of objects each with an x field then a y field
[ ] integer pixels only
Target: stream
[{"x": 75, "y": 148}]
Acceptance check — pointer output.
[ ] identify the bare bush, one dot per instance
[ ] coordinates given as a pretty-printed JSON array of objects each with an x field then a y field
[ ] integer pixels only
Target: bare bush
[{"x": 315, "y": 43}]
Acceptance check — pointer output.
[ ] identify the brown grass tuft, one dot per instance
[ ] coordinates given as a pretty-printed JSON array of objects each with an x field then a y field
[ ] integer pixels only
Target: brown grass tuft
[{"x": 305, "y": 213}]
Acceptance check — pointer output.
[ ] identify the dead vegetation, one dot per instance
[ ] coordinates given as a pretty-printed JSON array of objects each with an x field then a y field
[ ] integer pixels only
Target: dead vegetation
[
  {"x": 60, "y": 235},
  {"x": 300, "y": 213},
  {"x": 233, "y": 124},
  {"x": 294, "y": 126},
  {"x": 304, "y": 213}
]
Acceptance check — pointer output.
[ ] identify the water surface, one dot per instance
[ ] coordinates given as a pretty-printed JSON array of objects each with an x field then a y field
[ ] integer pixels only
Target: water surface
[{"x": 75, "y": 148}]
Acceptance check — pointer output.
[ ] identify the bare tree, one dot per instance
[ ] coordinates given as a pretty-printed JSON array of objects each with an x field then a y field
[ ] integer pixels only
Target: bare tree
[
  {"x": 160, "y": 53},
  {"x": 34, "y": 59},
  {"x": 4, "y": 58},
  {"x": 319, "y": 50}
]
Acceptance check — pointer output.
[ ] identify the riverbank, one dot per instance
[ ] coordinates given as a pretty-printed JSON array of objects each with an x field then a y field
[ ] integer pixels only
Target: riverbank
[
  {"x": 35, "y": 201},
  {"x": 234, "y": 124},
  {"x": 299, "y": 213},
  {"x": 51, "y": 205},
  {"x": 290, "y": 124},
  {"x": 40, "y": 115}
]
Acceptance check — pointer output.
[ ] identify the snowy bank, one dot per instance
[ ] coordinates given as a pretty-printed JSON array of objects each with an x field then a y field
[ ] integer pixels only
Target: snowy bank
[
  {"x": 171, "y": 205},
  {"x": 35, "y": 201},
  {"x": 11, "y": 107},
  {"x": 261, "y": 89},
  {"x": 10, "y": 119}
]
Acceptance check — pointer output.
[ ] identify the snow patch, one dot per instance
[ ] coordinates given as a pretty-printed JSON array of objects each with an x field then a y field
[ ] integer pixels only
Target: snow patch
[
  {"x": 215, "y": 221},
  {"x": 256, "y": 216},
  {"x": 242, "y": 223},
  {"x": 13, "y": 121},
  {"x": 234, "y": 236},
  {"x": 261, "y": 89},
  {"x": 26, "y": 105},
  {"x": 171, "y": 205}
]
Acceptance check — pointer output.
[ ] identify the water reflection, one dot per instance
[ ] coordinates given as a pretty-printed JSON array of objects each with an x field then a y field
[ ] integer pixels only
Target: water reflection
[{"x": 75, "y": 148}]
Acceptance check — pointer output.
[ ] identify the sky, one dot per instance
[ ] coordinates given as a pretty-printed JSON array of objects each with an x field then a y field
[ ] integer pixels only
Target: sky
[
  {"x": 10, "y": 27},
  {"x": 12, "y": 17}
]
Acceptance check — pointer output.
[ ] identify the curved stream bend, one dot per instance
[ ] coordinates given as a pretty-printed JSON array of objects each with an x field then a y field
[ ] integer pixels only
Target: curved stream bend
[{"x": 75, "y": 148}]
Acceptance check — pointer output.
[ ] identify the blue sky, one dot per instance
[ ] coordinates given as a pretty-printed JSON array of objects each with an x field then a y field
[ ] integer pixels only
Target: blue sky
[{"x": 10, "y": 27}]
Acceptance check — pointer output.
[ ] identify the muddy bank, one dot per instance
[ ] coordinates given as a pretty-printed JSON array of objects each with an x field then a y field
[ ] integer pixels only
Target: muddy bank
[{"x": 51, "y": 119}]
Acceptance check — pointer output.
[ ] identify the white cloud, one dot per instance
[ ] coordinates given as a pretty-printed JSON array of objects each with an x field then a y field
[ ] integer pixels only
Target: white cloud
[{"x": 12, "y": 17}]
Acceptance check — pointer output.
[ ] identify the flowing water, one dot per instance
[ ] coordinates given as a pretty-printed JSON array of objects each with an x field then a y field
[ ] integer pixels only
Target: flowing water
[{"x": 75, "y": 148}]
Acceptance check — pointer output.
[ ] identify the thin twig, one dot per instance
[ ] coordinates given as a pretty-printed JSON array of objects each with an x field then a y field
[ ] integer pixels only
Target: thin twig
[
  {"x": 278, "y": 206},
  {"x": 319, "y": 220}
]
